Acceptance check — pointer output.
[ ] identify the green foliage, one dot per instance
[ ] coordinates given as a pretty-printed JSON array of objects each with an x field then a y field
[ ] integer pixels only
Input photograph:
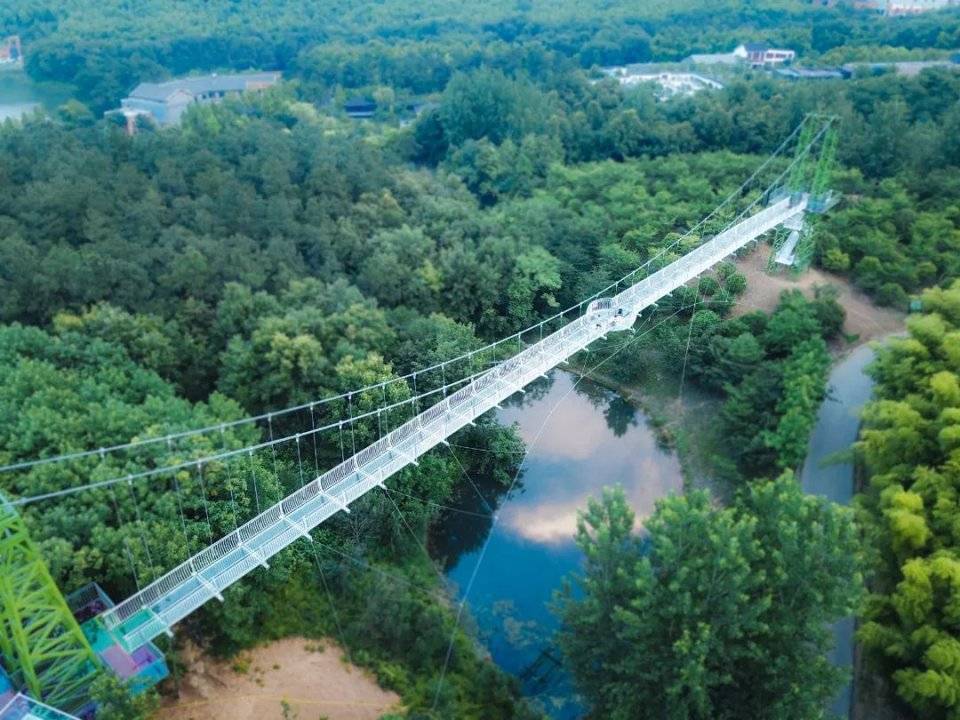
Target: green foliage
[
  {"x": 268, "y": 252},
  {"x": 67, "y": 391},
  {"x": 772, "y": 372},
  {"x": 909, "y": 445},
  {"x": 717, "y": 613},
  {"x": 115, "y": 702},
  {"x": 487, "y": 104},
  {"x": 804, "y": 384}
]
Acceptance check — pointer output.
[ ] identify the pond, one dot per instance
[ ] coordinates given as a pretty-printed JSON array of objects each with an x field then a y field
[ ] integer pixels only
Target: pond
[
  {"x": 581, "y": 438},
  {"x": 19, "y": 95}
]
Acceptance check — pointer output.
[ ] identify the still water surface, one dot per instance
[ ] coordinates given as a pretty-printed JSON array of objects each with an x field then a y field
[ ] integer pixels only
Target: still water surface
[
  {"x": 580, "y": 440},
  {"x": 838, "y": 424},
  {"x": 19, "y": 96}
]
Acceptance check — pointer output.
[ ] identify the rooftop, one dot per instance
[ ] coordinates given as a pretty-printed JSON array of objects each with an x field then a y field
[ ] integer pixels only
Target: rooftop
[
  {"x": 17, "y": 706},
  {"x": 22, "y": 707},
  {"x": 907, "y": 68},
  {"x": 360, "y": 102},
  {"x": 713, "y": 58},
  {"x": 801, "y": 73},
  {"x": 202, "y": 85}
]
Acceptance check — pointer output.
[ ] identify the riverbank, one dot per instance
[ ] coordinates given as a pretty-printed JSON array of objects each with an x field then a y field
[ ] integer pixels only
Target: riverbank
[
  {"x": 686, "y": 426},
  {"x": 837, "y": 428},
  {"x": 680, "y": 421},
  {"x": 683, "y": 417},
  {"x": 311, "y": 678}
]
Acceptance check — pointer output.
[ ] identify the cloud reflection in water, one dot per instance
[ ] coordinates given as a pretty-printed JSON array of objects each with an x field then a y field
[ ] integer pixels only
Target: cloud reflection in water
[{"x": 574, "y": 458}]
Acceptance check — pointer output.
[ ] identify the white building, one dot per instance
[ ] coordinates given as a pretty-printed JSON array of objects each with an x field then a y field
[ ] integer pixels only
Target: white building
[
  {"x": 913, "y": 7},
  {"x": 756, "y": 54},
  {"x": 903, "y": 7},
  {"x": 761, "y": 55},
  {"x": 670, "y": 83},
  {"x": 164, "y": 103}
]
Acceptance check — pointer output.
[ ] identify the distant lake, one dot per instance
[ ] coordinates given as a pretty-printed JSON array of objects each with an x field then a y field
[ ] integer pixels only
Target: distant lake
[
  {"x": 591, "y": 438},
  {"x": 14, "y": 111},
  {"x": 19, "y": 96}
]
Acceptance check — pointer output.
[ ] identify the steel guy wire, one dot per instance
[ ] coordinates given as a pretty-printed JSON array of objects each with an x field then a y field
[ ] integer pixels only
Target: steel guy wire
[
  {"x": 516, "y": 476},
  {"x": 441, "y": 365}
]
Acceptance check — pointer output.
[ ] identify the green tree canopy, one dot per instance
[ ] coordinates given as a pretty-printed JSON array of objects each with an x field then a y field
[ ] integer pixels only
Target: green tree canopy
[
  {"x": 910, "y": 444},
  {"x": 714, "y": 613}
]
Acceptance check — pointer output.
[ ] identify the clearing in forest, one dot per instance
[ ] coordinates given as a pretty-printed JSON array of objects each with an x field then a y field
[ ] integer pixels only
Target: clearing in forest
[
  {"x": 310, "y": 676},
  {"x": 865, "y": 320}
]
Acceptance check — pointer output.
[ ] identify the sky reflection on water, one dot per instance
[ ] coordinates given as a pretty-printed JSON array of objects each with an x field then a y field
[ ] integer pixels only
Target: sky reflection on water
[
  {"x": 580, "y": 440},
  {"x": 576, "y": 455}
]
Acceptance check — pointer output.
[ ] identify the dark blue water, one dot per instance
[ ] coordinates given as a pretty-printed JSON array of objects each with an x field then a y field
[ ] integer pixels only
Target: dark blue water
[
  {"x": 579, "y": 440},
  {"x": 838, "y": 424}
]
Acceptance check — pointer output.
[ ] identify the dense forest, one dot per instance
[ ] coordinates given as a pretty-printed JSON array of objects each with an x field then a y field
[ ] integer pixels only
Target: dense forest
[
  {"x": 909, "y": 508},
  {"x": 269, "y": 252},
  {"x": 105, "y": 48}
]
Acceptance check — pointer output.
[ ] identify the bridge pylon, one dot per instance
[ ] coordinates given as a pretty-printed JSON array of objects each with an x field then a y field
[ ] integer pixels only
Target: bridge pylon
[
  {"x": 43, "y": 647},
  {"x": 794, "y": 244}
]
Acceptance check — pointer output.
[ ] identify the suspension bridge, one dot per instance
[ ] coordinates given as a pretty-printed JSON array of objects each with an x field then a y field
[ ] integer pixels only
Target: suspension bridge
[{"x": 787, "y": 203}]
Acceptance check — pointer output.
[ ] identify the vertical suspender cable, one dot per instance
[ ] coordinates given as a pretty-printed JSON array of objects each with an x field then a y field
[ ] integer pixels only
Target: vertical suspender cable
[
  {"x": 273, "y": 447},
  {"x": 183, "y": 521},
  {"x": 143, "y": 536},
  {"x": 353, "y": 437},
  {"x": 313, "y": 436},
  {"x": 126, "y": 544},
  {"x": 203, "y": 491},
  {"x": 253, "y": 479},
  {"x": 299, "y": 460}
]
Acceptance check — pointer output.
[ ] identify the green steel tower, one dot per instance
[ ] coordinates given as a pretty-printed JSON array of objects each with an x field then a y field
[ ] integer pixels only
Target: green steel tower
[
  {"x": 799, "y": 175},
  {"x": 825, "y": 164},
  {"x": 810, "y": 174},
  {"x": 43, "y": 648}
]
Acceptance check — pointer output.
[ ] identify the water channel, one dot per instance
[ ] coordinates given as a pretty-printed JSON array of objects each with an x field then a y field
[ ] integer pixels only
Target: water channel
[
  {"x": 581, "y": 439},
  {"x": 838, "y": 423}
]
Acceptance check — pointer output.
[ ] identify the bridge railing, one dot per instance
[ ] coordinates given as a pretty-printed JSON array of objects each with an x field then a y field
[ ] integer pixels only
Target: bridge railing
[
  {"x": 250, "y": 532},
  {"x": 711, "y": 252},
  {"x": 187, "y": 586}
]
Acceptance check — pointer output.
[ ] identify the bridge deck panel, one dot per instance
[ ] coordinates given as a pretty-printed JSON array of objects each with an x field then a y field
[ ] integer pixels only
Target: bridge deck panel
[{"x": 169, "y": 599}]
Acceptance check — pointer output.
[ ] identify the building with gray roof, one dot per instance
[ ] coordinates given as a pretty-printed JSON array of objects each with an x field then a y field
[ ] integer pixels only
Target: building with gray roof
[{"x": 166, "y": 102}]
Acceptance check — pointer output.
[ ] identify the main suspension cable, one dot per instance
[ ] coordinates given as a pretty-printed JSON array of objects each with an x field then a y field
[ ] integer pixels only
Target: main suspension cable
[{"x": 411, "y": 376}]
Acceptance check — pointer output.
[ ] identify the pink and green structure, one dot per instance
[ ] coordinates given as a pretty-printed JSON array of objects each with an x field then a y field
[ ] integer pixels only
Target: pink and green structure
[{"x": 52, "y": 648}]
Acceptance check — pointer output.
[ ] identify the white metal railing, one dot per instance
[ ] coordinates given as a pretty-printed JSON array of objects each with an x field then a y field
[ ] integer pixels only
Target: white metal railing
[
  {"x": 168, "y": 599},
  {"x": 22, "y": 707}
]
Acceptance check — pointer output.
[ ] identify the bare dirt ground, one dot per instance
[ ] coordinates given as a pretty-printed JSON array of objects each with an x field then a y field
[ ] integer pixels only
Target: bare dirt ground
[
  {"x": 864, "y": 319},
  {"x": 308, "y": 675}
]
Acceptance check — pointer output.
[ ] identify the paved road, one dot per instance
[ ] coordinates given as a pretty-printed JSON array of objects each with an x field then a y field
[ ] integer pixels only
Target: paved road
[{"x": 837, "y": 426}]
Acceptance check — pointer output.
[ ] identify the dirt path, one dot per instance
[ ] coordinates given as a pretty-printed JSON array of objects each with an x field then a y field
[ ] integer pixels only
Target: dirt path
[
  {"x": 308, "y": 675},
  {"x": 864, "y": 319}
]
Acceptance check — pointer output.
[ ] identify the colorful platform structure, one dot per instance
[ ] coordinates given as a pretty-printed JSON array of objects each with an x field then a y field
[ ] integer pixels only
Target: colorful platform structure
[
  {"x": 21, "y": 707},
  {"x": 140, "y": 669},
  {"x": 17, "y": 706},
  {"x": 53, "y": 648}
]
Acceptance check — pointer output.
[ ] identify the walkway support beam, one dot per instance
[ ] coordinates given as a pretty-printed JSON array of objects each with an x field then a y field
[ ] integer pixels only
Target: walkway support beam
[{"x": 172, "y": 597}]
